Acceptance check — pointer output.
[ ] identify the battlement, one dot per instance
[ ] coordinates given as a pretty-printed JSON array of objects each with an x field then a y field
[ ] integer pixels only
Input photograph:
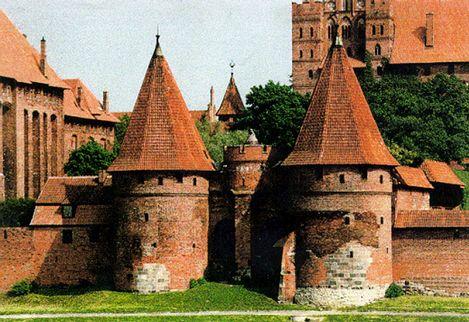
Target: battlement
[
  {"x": 306, "y": 8},
  {"x": 247, "y": 153}
]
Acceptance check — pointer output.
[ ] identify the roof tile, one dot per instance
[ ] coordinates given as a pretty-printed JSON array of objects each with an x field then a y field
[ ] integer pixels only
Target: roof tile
[
  {"x": 434, "y": 218},
  {"x": 232, "y": 103},
  {"x": 161, "y": 134},
  {"x": 440, "y": 172},
  {"x": 339, "y": 128},
  {"x": 413, "y": 177}
]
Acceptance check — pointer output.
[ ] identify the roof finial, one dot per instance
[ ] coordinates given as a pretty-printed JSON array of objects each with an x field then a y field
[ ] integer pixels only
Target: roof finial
[
  {"x": 158, "y": 51},
  {"x": 232, "y": 65}
]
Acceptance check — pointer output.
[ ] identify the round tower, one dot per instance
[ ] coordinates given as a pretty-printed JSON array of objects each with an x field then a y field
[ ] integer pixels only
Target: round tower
[
  {"x": 245, "y": 166},
  {"x": 161, "y": 189},
  {"x": 340, "y": 194}
]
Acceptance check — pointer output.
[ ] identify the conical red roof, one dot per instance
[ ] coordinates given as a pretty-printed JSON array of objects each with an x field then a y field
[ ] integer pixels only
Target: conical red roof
[
  {"x": 339, "y": 128},
  {"x": 161, "y": 135},
  {"x": 232, "y": 103}
]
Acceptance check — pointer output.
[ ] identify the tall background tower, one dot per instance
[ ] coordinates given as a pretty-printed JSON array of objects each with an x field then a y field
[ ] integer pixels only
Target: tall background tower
[
  {"x": 340, "y": 193},
  {"x": 313, "y": 24},
  {"x": 160, "y": 178}
]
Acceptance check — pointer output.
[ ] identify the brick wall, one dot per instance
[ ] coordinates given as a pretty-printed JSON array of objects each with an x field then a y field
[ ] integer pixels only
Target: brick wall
[
  {"x": 41, "y": 256},
  {"x": 79, "y": 132},
  {"x": 411, "y": 199},
  {"x": 436, "y": 258}
]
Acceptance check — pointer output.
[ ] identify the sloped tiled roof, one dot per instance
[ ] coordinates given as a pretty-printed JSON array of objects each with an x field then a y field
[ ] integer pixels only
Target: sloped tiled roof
[
  {"x": 434, "y": 218},
  {"x": 450, "y": 21},
  {"x": 161, "y": 134},
  {"x": 90, "y": 107},
  {"x": 232, "y": 103},
  {"x": 118, "y": 115},
  {"x": 19, "y": 60},
  {"x": 413, "y": 177},
  {"x": 74, "y": 190},
  {"x": 440, "y": 172},
  {"x": 338, "y": 128},
  {"x": 51, "y": 215},
  {"x": 197, "y": 115},
  {"x": 355, "y": 63}
]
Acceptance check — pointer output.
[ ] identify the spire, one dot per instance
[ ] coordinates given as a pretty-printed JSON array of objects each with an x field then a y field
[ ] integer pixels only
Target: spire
[
  {"x": 232, "y": 103},
  {"x": 158, "y": 51},
  {"x": 339, "y": 128},
  {"x": 161, "y": 135}
]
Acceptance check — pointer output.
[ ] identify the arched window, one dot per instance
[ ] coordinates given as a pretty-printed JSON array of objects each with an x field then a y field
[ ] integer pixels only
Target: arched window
[
  {"x": 301, "y": 54},
  {"x": 301, "y": 32},
  {"x": 378, "y": 50},
  {"x": 373, "y": 30},
  {"x": 347, "y": 5},
  {"x": 329, "y": 32},
  {"x": 311, "y": 53},
  {"x": 311, "y": 32},
  {"x": 381, "y": 30},
  {"x": 310, "y": 73}
]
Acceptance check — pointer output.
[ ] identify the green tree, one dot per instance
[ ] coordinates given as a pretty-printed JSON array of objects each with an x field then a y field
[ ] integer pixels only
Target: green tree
[
  {"x": 216, "y": 138},
  {"x": 16, "y": 212},
  {"x": 275, "y": 112},
  {"x": 429, "y": 119},
  {"x": 119, "y": 132},
  {"x": 88, "y": 159}
]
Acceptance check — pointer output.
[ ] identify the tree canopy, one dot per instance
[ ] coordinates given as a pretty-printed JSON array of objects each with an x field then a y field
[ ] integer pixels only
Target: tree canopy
[
  {"x": 275, "y": 113},
  {"x": 88, "y": 159},
  {"x": 423, "y": 119},
  {"x": 216, "y": 138}
]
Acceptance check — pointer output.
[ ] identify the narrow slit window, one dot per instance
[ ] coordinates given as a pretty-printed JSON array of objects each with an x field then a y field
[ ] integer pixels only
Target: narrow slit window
[
  {"x": 301, "y": 32},
  {"x": 351, "y": 254},
  {"x": 301, "y": 54},
  {"x": 381, "y": 220},
  {"x": 5, "y": 234},
  {"x": 147, "y": 217},
  {"x": 160, "y": 181},
  {"x": 342, "y": 178},
  {"x": 179, "y": 178},
  {"x": 347, "y": 220},
  {"x": 194, "y": 181},
  {"x": 67, "y": 236},
  {"x": 381, "y": 179}
]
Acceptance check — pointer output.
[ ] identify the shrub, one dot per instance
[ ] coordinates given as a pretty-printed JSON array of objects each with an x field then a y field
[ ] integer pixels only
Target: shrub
[
  {"x": 16, "y": 212},
  {"x": 20, "y": 288},
  {"x": 393, "y": 291},
  {"x": 194, "y": 283}
]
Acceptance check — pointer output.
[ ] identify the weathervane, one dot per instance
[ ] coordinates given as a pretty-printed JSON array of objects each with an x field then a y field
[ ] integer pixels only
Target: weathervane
[{"x": 157, "y": 33}]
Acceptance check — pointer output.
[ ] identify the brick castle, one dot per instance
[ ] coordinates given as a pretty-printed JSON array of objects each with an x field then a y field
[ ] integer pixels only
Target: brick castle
[
  {"x": 333, "y": 223},
  {"x": 417, "y": 37}
]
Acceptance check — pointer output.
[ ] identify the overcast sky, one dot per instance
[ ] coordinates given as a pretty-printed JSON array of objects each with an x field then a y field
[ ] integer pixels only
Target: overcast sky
[{"x": 108, "y": 44}]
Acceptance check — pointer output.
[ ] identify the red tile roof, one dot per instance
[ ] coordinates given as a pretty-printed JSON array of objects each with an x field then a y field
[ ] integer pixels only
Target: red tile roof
[
  {"x": 440, "y": 172},
  {"x": 74, "y": 190},
  {"x": 355, "y": 63},
  {"x": 450, "y": 21},
  {"x": 413, "y": 177},
  {"x": 118, "y": 115},
  {"x": 19, "y": 60},
  {"x": 434, "y": 218},
  {"x": 89, "y": 108},
  {"x": 232, "y": 103},
  {"x": 338, "y": 127},
  {"x": 197, "y": 115},
  {"x": 161, "y": 134},
  {"x": 51, "y": 215}
]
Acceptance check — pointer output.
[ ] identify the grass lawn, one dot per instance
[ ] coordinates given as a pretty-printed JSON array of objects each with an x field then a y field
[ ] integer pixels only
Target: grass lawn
[
  {"x": 351, "y": 318},
  {"x": 464, "y": 176},
  {"x": 208, "y": 297},
  {"x": 419, "y": 303}
]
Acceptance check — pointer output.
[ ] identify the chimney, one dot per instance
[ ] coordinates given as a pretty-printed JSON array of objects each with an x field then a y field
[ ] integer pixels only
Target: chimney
[
  {"x": 105, "y": 101},
  {"x": 212, "y": 95},
  {"x": 42, "y": 62},
  {"x": 79, "y": 93},
  {"x": 429, "y": 30}
]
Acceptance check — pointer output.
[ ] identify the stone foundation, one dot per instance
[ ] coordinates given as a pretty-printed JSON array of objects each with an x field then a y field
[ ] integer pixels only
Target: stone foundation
[
  {"x": 152, "y": 278},
  {"x": 338, "y": 297}
]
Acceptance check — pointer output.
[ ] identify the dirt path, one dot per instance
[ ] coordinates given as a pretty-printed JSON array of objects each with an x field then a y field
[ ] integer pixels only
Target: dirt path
[{"x": 227, "y": 313}]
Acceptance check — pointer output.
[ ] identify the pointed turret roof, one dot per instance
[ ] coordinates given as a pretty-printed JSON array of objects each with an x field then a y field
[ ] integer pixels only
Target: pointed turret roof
[
  {"x": 232, "y": 103},
  {"x": 339, "y": 128},
  {"x": 161, "y": 135}
]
